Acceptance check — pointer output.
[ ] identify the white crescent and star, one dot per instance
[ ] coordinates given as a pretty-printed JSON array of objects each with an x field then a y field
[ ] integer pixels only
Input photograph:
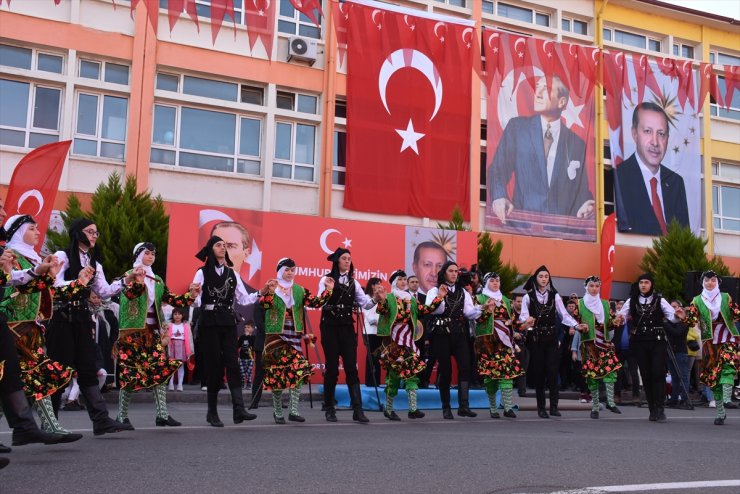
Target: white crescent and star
[
  {"x": 36, "y": 194},
  {"x": 436, "y": 26},
  {"x": 406, "y": 21},
  {"x": 467, "y": 30},
  {"x": 409, "y": 58},
  {"x": 610, "y": 257},
  {"x": 372, "y": 16},
  {"x": 347, "y": 243}
]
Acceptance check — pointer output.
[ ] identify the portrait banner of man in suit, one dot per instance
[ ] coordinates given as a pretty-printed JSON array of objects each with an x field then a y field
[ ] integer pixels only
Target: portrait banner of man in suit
[
  {"x": 540, "y": 175},
  {"x": 655, "y": 148}
]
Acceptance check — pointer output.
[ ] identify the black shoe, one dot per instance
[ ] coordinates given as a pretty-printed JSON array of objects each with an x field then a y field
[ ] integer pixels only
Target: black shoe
[
  {"x": 359, "y": 416},
  {"x": 613, "y": 409},
  {"x": 240, "y": 415},
  {"x": 653, "y": 416},
  {"x": 73, "y": 406},
  {"x": 447, "y": 414},
  {"x": 392, "y": 416},
  {"x": 278, "y": 420},
  {"x": 555, "y": 412},
  {"x": 295, "y": 418},
  {"x": 542, "y": 413},
  {"x": 4, "y": 448},
  {"x": 509, "y": 414},
  {"x": 21, "y": 438},
  {"x": 466, "y": 412},
  {"x": 416, "y": 414},
  {"x": 719, "y": 421},
  {"x": 522, "y": 394},
  {"x": 213, "y": 419},
  {"x": 331, "y": 414},
  {"x": 731, "y": 405},
  {"x": 127, "y": 422},
  {"x": 70, "y": 438},
  {"x": 4, "y": 462},
  {"x": 169, "y": 421},
  {"x": 495, "y": 415},
  {"x": 661, "y": 417},
  {"x": 110, "y": 426},
  {"x": 671, "y": 403},
  {"x": 594, "y": 415}
]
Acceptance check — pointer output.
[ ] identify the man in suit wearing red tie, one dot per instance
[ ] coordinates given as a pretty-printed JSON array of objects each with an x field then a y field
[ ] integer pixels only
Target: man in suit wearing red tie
[{"x": 644, "y": 185}]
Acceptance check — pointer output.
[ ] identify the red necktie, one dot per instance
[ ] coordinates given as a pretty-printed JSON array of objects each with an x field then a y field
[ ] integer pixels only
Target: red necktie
[{"x": 657, "y": 206}]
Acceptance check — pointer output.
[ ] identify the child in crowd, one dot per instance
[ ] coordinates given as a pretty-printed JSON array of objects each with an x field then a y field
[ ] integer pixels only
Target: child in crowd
[
  {"x": 246, "y": 354},
  {"x": 180, "y": 344}
]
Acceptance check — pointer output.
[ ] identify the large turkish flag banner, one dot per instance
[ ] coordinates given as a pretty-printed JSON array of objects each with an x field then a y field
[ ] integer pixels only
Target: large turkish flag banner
[{"x": 408, "y": 112}]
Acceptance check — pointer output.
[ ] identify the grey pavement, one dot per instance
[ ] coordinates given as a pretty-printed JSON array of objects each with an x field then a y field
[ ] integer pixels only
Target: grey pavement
[{"x": 479, "y": 455}]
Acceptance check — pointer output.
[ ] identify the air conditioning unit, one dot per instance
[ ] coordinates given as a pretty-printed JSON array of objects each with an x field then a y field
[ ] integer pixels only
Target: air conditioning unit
[{"x": 302, "y": 49}]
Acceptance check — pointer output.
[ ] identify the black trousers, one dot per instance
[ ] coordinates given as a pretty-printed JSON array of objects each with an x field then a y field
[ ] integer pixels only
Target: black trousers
[
  {"x": 521, "y": 381},
  {"x": 219, "y": 353},
  {"x": 628, "y": 373},
  {"x": 544, "y": 362},
  {"x": 259, "y": 372},
  {"x": 338, "y": 340},
  {"x": 70, "y": 341},
  {"x": 372, "y": 372},
  {"x": 11, "y": 381},
  {"x": 444, "y": 346},
  {"x": 650, "y": 356}
]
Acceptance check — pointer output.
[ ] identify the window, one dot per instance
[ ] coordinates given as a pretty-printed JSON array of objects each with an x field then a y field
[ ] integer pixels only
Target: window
[
  {"x": 208, "y": 88},
  {"x": 608, "y": 190},
  {"x": 167, "y": 82},
  {"x": 734, "y": 110},
  {"x": 726, "y": 170},
  {"x": 50, "y": 63},
  {"x": 632, "y": 39},
  {"x": 726, "y": 207},
  {"x": 522, "y": 14},
  {"x": 295, "y": 145},
  {"x": 575, "y": 26},
  {"x": 29, "y": 113},
  {"x": 206, "y": 139},
  {"x": 483, "y": 190},
  {"x": 340, "y": 109},
  {"x": 293, "y": 22},
  {"x": 455, "y": 3},
  {"x": 607, "y": 33},
  {"x": 111, "y": 72},
  {"x": 203, "y": 7},
  {"x": 23, "y": 58},
  {"x": 654, "y": 45},
  {"x": 488, "y": 6},
  {"x": 100, "y": 127},
  {"x": 253, "y": 95},
  {"x": 339, "y": 158},
  {"x": 724, "y": 58},
  {"x": 304, "y": 103},
  {"x": 682, "y": 50}
]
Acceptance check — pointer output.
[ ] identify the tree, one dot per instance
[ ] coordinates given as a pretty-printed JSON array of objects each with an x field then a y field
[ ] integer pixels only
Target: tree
[
  {"x": 676, "y": 253},
  {"x": 124, "y": 218},
  {"x": 457, "y": 222},
  {"x": 489, "y": 261}
]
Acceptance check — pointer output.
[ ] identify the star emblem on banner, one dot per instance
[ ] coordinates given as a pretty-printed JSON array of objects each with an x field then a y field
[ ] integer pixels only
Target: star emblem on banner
[
  {"x": 347, "y": 243},
  {"x": 572, "y": 114},
  {"x": 410, "y": 138}
]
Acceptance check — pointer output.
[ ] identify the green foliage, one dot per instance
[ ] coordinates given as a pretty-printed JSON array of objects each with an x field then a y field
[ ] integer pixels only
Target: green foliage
[
  {"x": 489, "y": 260},
  {"x": 124, "y": 218},
  {"x": 675, "y": 253},
  {"x": 457, "y": 221}
]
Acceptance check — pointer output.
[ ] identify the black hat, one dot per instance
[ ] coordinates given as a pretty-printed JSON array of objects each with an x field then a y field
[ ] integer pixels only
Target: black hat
[
  {"x": 334, "y": 256},
  {"x": 206, "y": 253},
  {"x": 531, "y": 283},
  {"x": 397, "y": 273},
  {"x": 285, "y": 262},
  {"x": 635, "y": 291}
]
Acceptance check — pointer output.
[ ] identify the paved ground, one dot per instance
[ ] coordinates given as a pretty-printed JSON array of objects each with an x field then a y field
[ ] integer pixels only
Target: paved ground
[{"x": 478, "y": 455}]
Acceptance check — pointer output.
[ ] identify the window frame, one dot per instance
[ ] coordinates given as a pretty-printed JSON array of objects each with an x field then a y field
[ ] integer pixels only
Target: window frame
[
  {"x": 98, "y": 137},
  {"x": 297, "y": 22},
  {"x": 279, "y": 119},
  {"x": 29, "y": 127}
]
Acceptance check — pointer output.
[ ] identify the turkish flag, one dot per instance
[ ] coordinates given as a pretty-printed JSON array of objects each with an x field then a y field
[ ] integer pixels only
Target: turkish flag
[
  {"x": 732, "y": 82},
  {"x": 260, "y": 16},
  {"x": 408, "y": 113},
  {"x": 175, "y": 8},
  {"x": 152, "y": 11},
  {"x": 35, "y": 182},
  {"x": 309, "y": 8},
  {"x": 608, "y": 237}
]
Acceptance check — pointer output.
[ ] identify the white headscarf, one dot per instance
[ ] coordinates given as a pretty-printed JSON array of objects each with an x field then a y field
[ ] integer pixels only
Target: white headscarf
[
  {"x": 287, "y": 288},
  {"x": 17, "y": 244},
  {"x": 400, "y": 294},
  {"x": 712, "y": 299},
  {"x": 149, "y": 280},
  {"x": 593, "y": 303},
  {"x": 497, "y": 295}
]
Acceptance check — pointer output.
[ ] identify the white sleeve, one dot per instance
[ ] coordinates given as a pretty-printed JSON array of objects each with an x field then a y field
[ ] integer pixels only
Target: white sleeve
[
  {"x": 362, "y": 298},
  {"x": 241, "y": 295},
  {"x": 625, "y": 310},
  {"x": 469, "y": 309},
  {"x": 431, "y": 295},
  {"x": 60, "y": 281},
  {"x": 668, "y": 311},
  {"x": 198, "y": 278},
  {"x": 322, "y": 285},
  {"x": 525, "y": 308},
  {"x": 20, "y": 277},
  {"x": 567, "y": 318},
  {"x": 101, "y": 286}
]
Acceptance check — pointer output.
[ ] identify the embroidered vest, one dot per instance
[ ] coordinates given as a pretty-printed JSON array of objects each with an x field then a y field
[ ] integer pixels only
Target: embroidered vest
[
  {"x": 132, "y": 313},
  {"x": 544, "y": 313},
  {"x": 705, "y": 316},
  {"x": 24, "y": 307},
  {"x": 486, "y": 327},
  {"x": 275, "y": 315},
  {"x": 386, "y": 321},
  {"x": 588, "y": 318}
]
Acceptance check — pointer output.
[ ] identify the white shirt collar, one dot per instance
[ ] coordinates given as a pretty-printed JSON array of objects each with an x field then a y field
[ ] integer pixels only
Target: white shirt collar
[
  {"x": 554, "y": 127},
  {"x": 646, "y": 173}
]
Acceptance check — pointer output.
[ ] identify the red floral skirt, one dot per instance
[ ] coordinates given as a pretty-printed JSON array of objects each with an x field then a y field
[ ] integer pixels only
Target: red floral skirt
[
  {"x": 40, "y": 375},
  {"x": 285, "y": 367},
  {"x": 720, "y": 363},
  {"x": 400, "y": 359},
  {"x": 143, "y": 360},
  {"x": 495, "y": 359},
  {"x": 598, "y": 362}
]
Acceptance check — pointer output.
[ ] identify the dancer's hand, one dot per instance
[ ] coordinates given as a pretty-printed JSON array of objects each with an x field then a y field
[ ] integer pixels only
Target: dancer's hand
[
  {"x": 442, "y": 291},
  {"x": 329, "y": 283}
]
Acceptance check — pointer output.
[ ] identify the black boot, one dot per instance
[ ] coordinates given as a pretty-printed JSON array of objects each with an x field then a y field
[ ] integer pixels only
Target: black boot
[
  {"x": 212, "y": 415},
  {"x": 356, "y": 400},
  {"x": 98, "y": 412},
  {"x": 237, "y": 401},
  {"x": 447, "y": 413},
  {"x": 4, "y": 448},
  {"x": 463, "y": 391},
  {"x": 4, "y": 462},
  {"x": 20, "y": 418},
  {"x": 256, "y": 397}
]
